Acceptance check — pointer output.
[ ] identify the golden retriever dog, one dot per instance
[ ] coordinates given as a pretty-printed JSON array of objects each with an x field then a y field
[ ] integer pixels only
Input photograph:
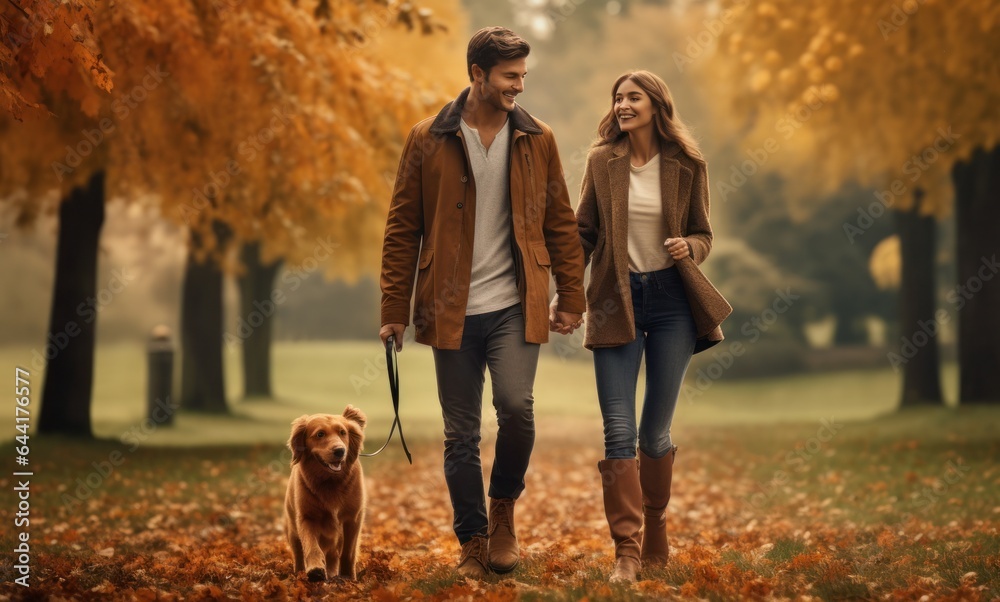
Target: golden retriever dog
[{"x": 325, "y": 499}]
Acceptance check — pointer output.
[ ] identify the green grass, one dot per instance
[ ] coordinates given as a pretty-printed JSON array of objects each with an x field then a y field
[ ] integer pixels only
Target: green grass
[
  {"x": 785, "y": 549},
  {"x": 324, "y": 377},
  {"x": 915, "y": 458}
]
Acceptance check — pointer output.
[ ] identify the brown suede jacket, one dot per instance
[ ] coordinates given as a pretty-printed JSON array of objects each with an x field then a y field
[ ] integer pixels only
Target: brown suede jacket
[
  {"x": 432, "y": 219},
  {"x": 603, "y": 219}
]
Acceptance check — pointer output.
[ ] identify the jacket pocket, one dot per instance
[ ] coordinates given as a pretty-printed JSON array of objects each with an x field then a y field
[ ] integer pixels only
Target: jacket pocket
[
  {"x": 425, "y": 258},
  {"x": 541, "y": 255},
  {"x": 424, "y": 289}
]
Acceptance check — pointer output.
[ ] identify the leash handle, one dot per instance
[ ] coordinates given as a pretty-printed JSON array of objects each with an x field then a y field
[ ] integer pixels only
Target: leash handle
[{"x": 392, "y": 365}]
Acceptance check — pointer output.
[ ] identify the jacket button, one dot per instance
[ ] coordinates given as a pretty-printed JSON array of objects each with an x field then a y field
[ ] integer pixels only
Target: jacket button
[
  {"x": 459, "y": 205},
  {"x": 465, "y": 178}
]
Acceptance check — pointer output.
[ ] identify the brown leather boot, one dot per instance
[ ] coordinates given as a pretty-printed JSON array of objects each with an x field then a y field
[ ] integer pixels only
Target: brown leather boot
[
  {"x": 472, "y": 563},
  {"x": 504, "y": 552},
  {"x": 655, "y": 475},
  {"x": 623, "y": 507}
]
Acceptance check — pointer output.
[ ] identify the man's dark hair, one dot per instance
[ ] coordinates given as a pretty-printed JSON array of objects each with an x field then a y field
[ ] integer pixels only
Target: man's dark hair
[{"x": 490, "y": 45}]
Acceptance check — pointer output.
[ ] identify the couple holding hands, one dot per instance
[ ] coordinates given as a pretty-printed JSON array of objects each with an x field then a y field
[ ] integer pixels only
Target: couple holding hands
[{"x": 479, "y": 217}]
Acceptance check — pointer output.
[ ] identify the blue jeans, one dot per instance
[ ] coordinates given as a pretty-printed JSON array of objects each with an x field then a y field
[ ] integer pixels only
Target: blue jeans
[
  {"x": 665, "y": 331},
  {"x": 493, "y": 340}
]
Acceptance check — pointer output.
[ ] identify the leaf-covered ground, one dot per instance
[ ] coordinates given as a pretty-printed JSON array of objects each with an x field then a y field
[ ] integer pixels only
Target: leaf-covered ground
[{"x": 905, "y": 508}]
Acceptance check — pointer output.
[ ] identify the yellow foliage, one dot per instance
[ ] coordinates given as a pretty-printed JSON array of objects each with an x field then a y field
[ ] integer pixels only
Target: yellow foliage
[
  {"x": 885, "y": 263},
  {"x": 892, "y": 91},
  {"x": 761, "y": 79},
  {"x": 767, "y": 10}
]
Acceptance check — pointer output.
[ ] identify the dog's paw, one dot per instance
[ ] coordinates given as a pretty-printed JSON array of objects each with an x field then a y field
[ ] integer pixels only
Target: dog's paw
[{"x": 317, "y": 574}]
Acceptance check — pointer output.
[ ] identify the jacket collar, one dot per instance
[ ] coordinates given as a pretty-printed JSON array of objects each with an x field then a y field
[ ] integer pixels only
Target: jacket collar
[
  {"x": 622, "y": 147},
  {"x": 448, "y": 121}
]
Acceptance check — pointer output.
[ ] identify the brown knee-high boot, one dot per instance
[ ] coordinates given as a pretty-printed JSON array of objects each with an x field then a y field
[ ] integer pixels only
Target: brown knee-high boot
[
  {"x": 623, "y": 507},
  {"x": 655, "y": 475}
]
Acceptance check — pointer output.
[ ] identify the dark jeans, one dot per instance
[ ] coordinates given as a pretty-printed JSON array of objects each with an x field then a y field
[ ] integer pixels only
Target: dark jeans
[
  {"x": 494, "y": 340},
  {"x": 665, "y": 331}
]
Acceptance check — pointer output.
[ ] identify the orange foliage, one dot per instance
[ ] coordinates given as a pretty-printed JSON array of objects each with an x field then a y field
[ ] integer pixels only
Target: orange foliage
[
  {"x": 52, "y": 40},
  {"x": 274, "y": 117},
  {"x": 177, "y": 525}
]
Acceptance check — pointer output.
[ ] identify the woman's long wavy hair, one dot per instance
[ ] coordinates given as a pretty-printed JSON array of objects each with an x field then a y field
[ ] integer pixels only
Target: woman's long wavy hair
[{"x": 667, "y": 122}]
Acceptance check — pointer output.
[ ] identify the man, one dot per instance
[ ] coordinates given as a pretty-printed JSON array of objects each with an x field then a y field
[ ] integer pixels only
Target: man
[{"x": 480, "y": 211}]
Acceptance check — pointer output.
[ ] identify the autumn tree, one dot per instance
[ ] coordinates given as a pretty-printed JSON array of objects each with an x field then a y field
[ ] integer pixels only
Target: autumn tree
[
  {"x": 321, "y": 206},
  {"x": 50, "y": 64},
  {"x": 857, "y": 91},
  {"x": 215, "y": 99}
]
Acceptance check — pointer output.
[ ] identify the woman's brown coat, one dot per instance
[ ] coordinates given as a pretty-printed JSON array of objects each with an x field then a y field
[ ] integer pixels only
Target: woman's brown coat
[{"x": 603, "y": 221}]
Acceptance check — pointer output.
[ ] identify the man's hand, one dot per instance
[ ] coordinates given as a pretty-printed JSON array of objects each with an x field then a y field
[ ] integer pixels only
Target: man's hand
[
  {"x": 553, "y": 326},
  {"x": 563, "y": 322},
  {"x": 393, "y": 330}
]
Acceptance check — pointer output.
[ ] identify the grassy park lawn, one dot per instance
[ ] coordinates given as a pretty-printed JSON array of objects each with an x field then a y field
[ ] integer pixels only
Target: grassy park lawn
[
  {"x": 324, "y": 377},
  {"x": 784, "y": 488}
]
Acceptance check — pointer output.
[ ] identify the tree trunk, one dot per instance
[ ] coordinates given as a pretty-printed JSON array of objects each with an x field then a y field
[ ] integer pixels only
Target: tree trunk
[
  {"x": 919, "y": 327},
  {"x": 256, "y": 327},
  {"x": 203, "y": 385},
  {"x": 977, "y": 296},
  {"x": 69, "y": 349}
]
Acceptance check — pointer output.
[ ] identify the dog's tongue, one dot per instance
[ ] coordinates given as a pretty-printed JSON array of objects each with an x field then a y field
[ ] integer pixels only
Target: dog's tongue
[{"x": 335, "y": 467}]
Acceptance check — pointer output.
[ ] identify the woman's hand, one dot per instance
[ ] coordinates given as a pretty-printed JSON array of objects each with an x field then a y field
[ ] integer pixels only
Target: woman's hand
[
  {"x": 678, "y": 248},
  {"x": 563, "y": 322}
]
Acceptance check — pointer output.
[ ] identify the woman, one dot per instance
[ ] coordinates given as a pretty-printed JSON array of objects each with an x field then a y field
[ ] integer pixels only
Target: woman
[{"x": 643, "y": 220}]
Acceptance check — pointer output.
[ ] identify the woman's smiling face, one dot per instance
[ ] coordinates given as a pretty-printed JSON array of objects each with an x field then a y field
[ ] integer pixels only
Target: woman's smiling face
[{"x": 633, "y": 107}]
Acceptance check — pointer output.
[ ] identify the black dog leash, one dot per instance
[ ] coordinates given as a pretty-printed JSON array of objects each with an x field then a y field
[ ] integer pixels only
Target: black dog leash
[{"x": 392, "y": 365}]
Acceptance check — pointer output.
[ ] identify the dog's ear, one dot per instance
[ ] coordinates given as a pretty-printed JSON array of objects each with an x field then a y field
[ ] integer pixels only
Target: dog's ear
[
  {"x": 353, "y": 413},
  {"x": 357, "y": 441},
  {"x": 297, "y": 442}
]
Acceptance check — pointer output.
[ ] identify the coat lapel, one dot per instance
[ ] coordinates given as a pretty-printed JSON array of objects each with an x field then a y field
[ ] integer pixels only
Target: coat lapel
[
  {"x": 669, "y": 171},
  {"x": 618, "y": 172}
]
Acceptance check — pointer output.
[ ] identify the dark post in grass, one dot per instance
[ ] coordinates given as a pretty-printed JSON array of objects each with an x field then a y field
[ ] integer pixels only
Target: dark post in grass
[{"x": 159, "y": 393}]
